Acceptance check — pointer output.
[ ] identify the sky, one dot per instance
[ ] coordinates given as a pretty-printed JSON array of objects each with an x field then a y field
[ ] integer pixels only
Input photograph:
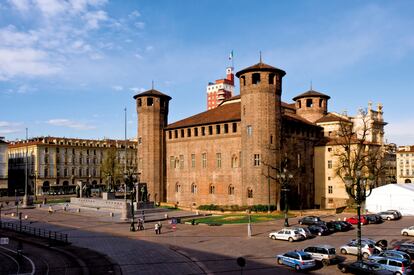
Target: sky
[{"x": 68, "y": 68}]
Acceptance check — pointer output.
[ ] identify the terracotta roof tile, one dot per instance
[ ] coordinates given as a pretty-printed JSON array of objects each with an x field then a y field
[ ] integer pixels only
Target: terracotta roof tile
[
  {"x": 330, "y": 117},
  {"x": 152, "y": 92}
]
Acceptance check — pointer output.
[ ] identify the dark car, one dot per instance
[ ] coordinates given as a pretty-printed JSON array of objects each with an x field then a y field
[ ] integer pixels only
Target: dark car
[
  {"x": 309, "y": 220},
  {"x": 405, "y": 247},
  {"x": 318, "y": 229},
  {"x": 346, "y": 226},
  {"x": 361, "y": 267},
  {"x": 373, "y": 218},
  {"x": 334, "y": 226}
]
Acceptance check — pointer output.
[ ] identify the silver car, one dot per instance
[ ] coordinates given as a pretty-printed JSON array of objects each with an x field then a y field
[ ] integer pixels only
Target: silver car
[
  {"x": 303, "y": 231},
  {"x": 388, "y": 215},
  {"x": 323, "y": 253},
  {"x": 367, "y": 249}
]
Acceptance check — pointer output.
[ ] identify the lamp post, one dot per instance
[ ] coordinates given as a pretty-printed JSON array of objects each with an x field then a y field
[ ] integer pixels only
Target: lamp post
[
  {"x": 359, "y": 189},
  {"x": 34, "y": 176},
  {"x": 284, "y": 179},
  {"x": 133, "y": 179}
]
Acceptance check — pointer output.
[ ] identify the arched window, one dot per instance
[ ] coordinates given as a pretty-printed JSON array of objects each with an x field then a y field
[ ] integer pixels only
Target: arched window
[
  {"x": 249, "y": 193},
  {"x": 139, "y": 102},
  {"x": 255, "y": 78},
  {"x": 271, "y": 78},
  {"x": 231, "y": 190},
  {"x": 212, "y": 189},
  {"x": 193, "y": 188},
  {"x": 177, "y": 187},
  {"x": 150, "y": 101},
  {"x": 243, "y": 80},
  {"x": 234, "y": 161}
]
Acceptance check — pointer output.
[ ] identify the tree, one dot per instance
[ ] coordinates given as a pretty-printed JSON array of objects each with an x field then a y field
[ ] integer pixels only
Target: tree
[
  {"x": 111, "y": 168},
  {"x": 358, "y": 149}
]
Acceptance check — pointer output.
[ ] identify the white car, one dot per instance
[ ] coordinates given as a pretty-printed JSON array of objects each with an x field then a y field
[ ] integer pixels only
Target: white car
[
  {"x": 409, "y": 231},
  {"x": 286, "y": 234}
]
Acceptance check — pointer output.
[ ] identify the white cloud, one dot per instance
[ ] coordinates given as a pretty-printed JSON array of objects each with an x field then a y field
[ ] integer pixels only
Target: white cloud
[
  {"x": 94, "y": 18},
  {"x": 20, "y": 5},
  {"x": 118, "y": 88},
  {"x": 137, "y": 55},
  {"x": 137, "y": 90},
  {"x": 70, "y": 124},
  {"x": 149, "y": 48},
  {"x": 140, "y": 25},
  {"x": 50, "y": 8},
  {"x": 7, "y": 127},
  {"x": 27, "y": 61},
  {"x": 135, "y": 14}
]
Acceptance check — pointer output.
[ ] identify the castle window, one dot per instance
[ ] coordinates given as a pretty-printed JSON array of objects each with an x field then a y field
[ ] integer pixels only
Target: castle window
[
  {"x": 203, "y": 131},
  {"x": 175, "y": 133},
  {"x": 218, "y": 160},
  {"x": 139, "y": 102},
  {"x": 140, "y": 139},
  {"x": 299, "y": 104},
  {"x": 204, "y": 160},
  {"x": 162, "y": 103},
  {"x": 329, "y": 164},
  {"x": 320, "y": 102},
  {"x": 177, "y": 188},
  {"x": 196, "y": 132},
  {"x": 271, "y": 78},
  {"x": 212, "y": 189},
  {"x": 177, "y": 163},
  {"x": 249, "y": 193},
  {"x": 299, "y": 160},
  {"x": 249, "y": 130},
  {"x": 169, "y": 135},
  {"x": 189, "y": 132},
  {"x": 172, "y": 161},
  {"x": 256, "y": 161},
  {"x": 234, "y": 161},
  {"x": 182, "y": 133},
  {"x": 193, "y": 188},
  {"x": 226, "y": 128},
  {"x": 150, "y": 101},
  {"x": 309, "y": 102},
  {"x": 80, "y": 172},
  {"x": 243, "y": 80},
  {"x": 46, "y": 172},
  {"x": 217, "y": 129},
  {"x": 210, "y": 130},
  {"x": 231, "y": 190},
  {"x": 329, "y": 149},
  {"x": 255, "y": 78},
  {"x": 330, "y": 189},
  {"x": 271, "y": 139},
  {"x": 192, "y": 160},
  {"x": 234, "y": 127},
  {"x": 181, "y": 161}
]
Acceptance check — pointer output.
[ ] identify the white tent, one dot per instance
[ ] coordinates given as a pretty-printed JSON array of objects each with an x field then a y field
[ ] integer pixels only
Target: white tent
[{"x": 392, "y": 196}]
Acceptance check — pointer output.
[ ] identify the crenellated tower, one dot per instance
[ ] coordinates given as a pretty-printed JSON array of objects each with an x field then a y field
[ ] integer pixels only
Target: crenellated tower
[
  {"x": 152, "y": 109},
  {"x": 260, "y": 91}
]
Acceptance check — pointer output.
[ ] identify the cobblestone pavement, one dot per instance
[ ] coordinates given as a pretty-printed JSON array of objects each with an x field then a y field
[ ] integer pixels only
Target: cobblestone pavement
[{"x": 198, "y": 249}]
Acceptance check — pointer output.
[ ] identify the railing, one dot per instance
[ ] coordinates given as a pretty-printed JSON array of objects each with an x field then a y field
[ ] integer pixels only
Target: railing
[{"x": 52, "y": 236}]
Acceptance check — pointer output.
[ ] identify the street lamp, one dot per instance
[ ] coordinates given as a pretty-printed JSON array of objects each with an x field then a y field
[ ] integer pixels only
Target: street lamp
[
  {"x": 359, "y": 189},
  {"x": 284, "y": 179},
  {"x": 34, "y": 176},
  {"x": 133, "y": 179}
]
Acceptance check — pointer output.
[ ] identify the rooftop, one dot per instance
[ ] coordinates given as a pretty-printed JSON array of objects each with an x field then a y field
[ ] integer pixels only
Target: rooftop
[
  {"x": 311, "y": 93},
  {"x": 260, "y": 67}
]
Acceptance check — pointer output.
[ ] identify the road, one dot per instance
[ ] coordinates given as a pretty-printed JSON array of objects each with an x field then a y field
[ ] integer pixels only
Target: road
[{"x": 198, "y": 249}]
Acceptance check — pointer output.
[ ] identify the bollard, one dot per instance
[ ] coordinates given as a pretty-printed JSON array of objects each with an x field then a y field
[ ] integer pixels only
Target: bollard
[
  {"x": 166, "y": 216},
  {"x": 197, "y": 212},
  {"x": 78, "y": 210},
  {"x": 111, "y": 214},
  {"x": 64, "y": 208},
  {"x": 39, "y": 205},
  {"x": 26, "y": 216},
  {"x": 12, "y": 214}
]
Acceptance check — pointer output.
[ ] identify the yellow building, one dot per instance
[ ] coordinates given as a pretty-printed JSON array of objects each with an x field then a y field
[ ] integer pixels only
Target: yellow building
[
  {"x": 56, "y": 164},
  {"x": 3, "y": 166}
]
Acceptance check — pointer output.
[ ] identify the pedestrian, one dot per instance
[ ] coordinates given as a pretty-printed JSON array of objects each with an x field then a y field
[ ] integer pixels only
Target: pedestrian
[
  {"x": 156, "y": 226},
  {"x": 50, "y": 210},
  {"x": 159, "y": 227}
]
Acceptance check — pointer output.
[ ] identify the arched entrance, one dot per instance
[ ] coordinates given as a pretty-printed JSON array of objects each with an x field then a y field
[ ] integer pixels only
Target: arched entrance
[
  {"x": 45, "y": 187},
  {"x": 407, "y": 181},
  {"x": 65, "y": 186}
]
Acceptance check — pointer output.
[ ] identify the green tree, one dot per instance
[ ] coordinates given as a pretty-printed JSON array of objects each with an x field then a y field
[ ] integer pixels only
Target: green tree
[{"x": 111, "y": 168}]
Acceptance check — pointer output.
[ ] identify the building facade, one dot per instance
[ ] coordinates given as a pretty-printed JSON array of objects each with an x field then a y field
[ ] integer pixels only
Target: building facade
[
  {"x": 220, "y": 90},
  {"x": 56, "y": 164},
  {"x": 3, "y": 166},
  {"x": 232, "y": 153},
  {"x": 405, "y": 164}
]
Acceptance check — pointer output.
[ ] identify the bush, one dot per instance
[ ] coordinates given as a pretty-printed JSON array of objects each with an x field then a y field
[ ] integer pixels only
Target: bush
[
  {"x": 235, "y": 207},
  {"x": 210, "y": 207}
]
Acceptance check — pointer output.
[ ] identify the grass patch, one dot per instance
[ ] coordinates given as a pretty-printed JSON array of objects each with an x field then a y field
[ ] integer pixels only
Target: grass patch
[{"x": 239, "y": 218}]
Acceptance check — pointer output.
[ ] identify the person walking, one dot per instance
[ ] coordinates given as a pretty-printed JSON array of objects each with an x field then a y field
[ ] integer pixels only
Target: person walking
[
  {"x": 159, "y": 227},
  {"x": 156, "y": 226}
]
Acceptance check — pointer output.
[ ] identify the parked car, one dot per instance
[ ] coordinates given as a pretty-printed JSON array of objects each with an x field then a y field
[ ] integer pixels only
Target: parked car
[
  {"x": 304, "y": 231},
  {"x": 354, "y": 220},
  {"x": 346, "y": 225},
  {"x": 323, "y": 253},
  {"x": 297, "y": 259},
  {"x": 391, "y": 254},
  {"x": 334, "y": 226},
  {"x": 373, "y": 218},
  {"x": 287, "y": 235},
  {"x": 379, "y": 246},
  {"x": 361, "y": 267},
  {"x": 318, "y": 229},
  {"x": 407, "y": 248},
  {"x": 309, "y": 220},
  {"x": 388, "y": 215},
  {"x": 397, "y": 266},
  {"x": 396, "y": 212},
  {"x": 409, "y": 231},
  {"x": 367, "y": 249}
]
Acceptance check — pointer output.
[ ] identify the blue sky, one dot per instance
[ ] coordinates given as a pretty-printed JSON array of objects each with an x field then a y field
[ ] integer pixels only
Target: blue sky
[{"x": 69, "y": 67}]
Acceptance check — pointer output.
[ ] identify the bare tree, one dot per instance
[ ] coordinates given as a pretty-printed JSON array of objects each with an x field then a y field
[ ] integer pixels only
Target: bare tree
[{"x": 111, "y": 168}]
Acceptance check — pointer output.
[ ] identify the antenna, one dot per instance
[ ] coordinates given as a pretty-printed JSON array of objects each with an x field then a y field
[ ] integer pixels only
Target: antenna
[
  {"x": 260, "y": 54},
  {"x": 152, "y": 84},
  {"x": 311, "y": 85}
]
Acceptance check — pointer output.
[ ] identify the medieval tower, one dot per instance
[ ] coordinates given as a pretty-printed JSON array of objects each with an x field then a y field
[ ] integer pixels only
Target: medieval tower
[
  {"x": 260, "y": 91},
  {"x": 152, "y": 109}
]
